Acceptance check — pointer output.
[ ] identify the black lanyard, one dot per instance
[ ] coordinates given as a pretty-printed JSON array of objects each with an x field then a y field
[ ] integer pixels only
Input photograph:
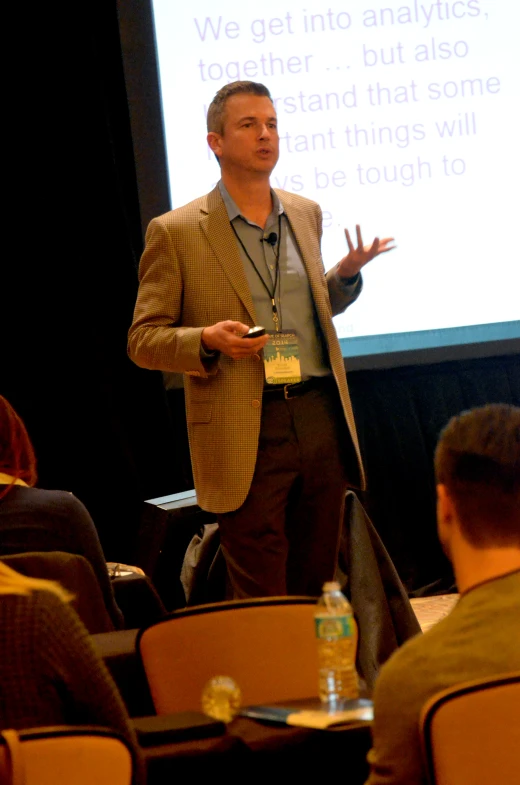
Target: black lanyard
[{"x": 272, "y": 294}]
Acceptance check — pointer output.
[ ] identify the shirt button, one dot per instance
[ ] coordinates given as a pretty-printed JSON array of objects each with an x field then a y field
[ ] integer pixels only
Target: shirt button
[{"x": 255, "y": 403}]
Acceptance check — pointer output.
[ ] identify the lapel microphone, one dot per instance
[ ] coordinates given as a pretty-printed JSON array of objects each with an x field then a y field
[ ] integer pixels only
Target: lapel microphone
[{"x": 273, "y": 237}]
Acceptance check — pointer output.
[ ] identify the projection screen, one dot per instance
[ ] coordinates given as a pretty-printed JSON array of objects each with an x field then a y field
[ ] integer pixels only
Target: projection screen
[{"x": 400, "y": 117}]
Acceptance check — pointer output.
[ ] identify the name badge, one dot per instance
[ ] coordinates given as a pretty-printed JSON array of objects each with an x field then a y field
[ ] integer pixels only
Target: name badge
[{"x": 282, "y": 358}]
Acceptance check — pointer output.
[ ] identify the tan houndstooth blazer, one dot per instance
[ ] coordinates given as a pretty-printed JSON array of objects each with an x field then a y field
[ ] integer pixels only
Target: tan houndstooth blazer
[{"x": 191, "y": 276}]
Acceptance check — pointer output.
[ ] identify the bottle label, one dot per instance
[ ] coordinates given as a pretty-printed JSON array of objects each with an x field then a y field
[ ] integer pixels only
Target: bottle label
[{"x": 334, "y": 626}]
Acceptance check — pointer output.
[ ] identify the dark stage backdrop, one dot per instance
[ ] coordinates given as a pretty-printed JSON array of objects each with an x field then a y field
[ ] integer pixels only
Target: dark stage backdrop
[
  {"x": 102, "y": 427},
  {"x": 400, "y": 413}
]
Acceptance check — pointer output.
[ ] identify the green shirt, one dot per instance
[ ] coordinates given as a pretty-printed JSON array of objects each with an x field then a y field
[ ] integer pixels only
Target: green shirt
[{"x": 479, "y": 638}]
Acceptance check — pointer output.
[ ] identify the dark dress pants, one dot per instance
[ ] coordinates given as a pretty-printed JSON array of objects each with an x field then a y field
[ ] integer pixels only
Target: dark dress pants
[{"x": 284, "y": 538}]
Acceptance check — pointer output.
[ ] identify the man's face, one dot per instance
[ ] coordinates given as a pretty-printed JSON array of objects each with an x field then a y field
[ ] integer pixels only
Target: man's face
[{"x": 249, "y": 144}]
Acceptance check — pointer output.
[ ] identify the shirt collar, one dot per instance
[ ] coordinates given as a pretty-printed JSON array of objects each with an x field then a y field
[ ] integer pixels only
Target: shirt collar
[{"x": 233, "y": 211}]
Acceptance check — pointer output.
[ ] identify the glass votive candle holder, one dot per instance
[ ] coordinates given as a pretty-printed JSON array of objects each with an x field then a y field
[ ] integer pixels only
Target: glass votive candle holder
[{"x": 221, "y": 698}]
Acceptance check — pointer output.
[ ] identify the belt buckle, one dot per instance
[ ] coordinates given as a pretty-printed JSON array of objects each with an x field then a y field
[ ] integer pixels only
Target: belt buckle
[{"x": 286, "y": 390}]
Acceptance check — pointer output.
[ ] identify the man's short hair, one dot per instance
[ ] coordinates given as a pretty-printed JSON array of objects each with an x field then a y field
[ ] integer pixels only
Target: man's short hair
[
  {"x": 217, "y": 108},
  {"x": 478, "y": 460}
]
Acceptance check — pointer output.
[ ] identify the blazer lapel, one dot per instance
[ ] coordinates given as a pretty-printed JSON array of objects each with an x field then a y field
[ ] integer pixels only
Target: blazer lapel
[{"x": 215, "y": 225}]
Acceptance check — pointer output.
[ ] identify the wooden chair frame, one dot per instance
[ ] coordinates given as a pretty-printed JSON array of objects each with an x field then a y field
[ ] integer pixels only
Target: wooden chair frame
[
  {"x": 36, "y": 755},
  {"x": 232, "y": 639},
  {"x": 469, "y": 701}
]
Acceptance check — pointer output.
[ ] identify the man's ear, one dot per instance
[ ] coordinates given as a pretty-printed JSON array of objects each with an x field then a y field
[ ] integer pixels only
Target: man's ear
[
  {"x": 445, "y": 511},
  {"x": 214, "y": 142}
]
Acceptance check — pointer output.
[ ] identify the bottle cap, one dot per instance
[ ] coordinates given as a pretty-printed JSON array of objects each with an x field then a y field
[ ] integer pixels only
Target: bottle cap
[{"x": 331, "y": 586}]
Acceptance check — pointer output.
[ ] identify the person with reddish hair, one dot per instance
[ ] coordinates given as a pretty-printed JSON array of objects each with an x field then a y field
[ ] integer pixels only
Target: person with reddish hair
[
  {"x": 38, "y": 520},
  {"x": 17, "y": 457}
]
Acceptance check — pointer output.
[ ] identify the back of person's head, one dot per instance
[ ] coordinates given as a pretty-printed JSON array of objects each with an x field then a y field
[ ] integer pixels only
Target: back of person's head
[
  {"x": 477, "y": 460},
  {"x": 217, "y": 108},
  {"x": 17, "y": 458},
  {"x": 13, "y": 582}
]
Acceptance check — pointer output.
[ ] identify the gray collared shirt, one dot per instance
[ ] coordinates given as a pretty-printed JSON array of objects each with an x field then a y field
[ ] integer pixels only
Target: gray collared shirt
[{"x": 293, "y": 295}]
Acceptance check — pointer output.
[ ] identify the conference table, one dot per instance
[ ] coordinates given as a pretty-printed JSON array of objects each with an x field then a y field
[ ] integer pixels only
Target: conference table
[
  {"x": 248, "y": 749},
  {"x": 251, "y": 749}
]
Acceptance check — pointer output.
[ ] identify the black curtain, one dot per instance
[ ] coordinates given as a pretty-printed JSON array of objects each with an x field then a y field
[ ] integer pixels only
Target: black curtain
[
  {"x": 102, "y": 427},
  {"x": 400, "y": 413}
]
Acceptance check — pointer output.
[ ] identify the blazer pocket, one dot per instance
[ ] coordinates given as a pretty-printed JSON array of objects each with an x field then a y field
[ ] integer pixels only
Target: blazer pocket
[{"x": 200, "y": 411}]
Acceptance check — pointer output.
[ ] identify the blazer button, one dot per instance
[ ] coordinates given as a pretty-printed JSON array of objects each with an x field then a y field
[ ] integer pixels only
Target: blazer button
[
  {"x": 255, "y": 403},
  {"x": 256, "y": 357}
]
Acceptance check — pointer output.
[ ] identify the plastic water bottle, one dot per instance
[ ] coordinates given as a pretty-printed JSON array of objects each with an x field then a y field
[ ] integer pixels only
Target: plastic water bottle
[{"x": 336, "y": 634}]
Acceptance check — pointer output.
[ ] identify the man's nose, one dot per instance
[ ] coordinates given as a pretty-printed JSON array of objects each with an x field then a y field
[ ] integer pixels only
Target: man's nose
[{"x": 265, "y": 131}]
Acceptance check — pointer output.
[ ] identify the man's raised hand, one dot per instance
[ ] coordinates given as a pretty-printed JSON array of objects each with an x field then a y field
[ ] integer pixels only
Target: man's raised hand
[{"x": 358, "y": 256}]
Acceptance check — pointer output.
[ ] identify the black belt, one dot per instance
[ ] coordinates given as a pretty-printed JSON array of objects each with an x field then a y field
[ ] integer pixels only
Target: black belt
[{"x": 287, "y": 391}]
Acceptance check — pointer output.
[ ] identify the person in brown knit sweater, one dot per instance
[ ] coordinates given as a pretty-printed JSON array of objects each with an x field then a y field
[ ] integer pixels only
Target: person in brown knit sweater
[{"x": 50, "y": 673}]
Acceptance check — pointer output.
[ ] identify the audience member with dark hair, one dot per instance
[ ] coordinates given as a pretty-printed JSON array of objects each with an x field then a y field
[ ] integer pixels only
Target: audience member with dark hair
[
  {"x": 50, "y": 673},
  {"x": 477, "y": 468},
  {"x": 34, "y": 519}
]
